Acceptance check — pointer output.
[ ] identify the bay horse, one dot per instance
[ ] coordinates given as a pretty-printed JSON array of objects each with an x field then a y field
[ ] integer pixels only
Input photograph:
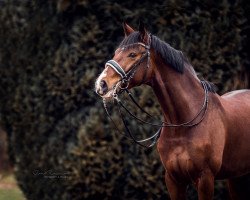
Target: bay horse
[{"x": 204, "y": 136}]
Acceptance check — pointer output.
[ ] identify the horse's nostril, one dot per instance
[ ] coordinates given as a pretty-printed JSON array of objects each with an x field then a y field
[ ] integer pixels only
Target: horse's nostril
[{"x": 104, "y": 87}]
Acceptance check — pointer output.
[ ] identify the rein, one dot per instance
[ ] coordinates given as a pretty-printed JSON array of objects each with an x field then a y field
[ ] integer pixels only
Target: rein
[
  {"x": 166, "y": 124},
  {"x": 123, "y": 85}
]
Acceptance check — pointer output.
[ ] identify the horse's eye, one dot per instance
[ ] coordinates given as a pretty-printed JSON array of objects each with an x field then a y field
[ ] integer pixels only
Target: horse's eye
[{"x": 132, "y": 55}]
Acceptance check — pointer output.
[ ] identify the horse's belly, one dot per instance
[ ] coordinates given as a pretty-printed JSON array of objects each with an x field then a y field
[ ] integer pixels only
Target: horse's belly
[
  {"x": 234, "y": 167},
  {"x": 227, "y": 172}
]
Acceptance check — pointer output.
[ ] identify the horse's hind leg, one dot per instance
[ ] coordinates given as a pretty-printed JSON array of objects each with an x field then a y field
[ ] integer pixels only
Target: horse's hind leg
[{"x": 239, "y": 188}]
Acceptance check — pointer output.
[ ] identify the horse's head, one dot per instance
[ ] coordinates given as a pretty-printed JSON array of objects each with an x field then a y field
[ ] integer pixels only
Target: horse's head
[{"x": 130, "y": 65}]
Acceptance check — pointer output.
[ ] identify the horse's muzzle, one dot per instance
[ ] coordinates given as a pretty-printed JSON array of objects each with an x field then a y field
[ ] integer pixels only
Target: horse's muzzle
[{"x": 102, "y": 88}]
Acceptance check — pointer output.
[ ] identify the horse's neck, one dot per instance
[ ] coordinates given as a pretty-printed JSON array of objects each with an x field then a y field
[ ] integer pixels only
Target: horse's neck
[{"x": 180, "y": 95}]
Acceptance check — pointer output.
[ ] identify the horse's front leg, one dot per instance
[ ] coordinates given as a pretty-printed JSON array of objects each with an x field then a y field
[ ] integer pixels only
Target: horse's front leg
[
  {"x": 176, "y": 190},
  {"x": 205, "y": 186}
]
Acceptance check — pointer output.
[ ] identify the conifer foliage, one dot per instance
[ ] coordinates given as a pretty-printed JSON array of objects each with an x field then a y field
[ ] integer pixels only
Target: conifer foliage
[{"x": 61, "y": 142}]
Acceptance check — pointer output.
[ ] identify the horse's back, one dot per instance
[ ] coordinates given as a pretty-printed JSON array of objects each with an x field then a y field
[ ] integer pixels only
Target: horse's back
[
  {"x": 237, "y": 103},
  {"x": 237, "y": 94}
]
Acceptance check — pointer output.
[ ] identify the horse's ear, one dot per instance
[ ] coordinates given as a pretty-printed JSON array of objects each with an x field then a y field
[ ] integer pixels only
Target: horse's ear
[
  {"x": 144, "y": 36},
  {"x": 127, "y": 29}
]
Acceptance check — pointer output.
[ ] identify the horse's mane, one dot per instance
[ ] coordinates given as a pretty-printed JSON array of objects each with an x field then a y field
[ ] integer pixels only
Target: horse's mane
[
  {"x": 174, "y": 58},
  {"x": 171, "y": 56}
]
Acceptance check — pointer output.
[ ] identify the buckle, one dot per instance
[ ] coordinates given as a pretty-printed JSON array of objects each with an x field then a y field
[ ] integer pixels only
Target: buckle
[{"x": 124, "y": 84}]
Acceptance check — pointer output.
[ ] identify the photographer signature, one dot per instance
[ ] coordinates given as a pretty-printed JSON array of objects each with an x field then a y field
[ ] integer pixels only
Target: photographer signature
[{"x": 51, "y": 172}]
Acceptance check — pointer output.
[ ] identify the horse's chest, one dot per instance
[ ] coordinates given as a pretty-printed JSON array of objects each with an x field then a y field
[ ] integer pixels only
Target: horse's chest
[{"x": 180, "y": 162}]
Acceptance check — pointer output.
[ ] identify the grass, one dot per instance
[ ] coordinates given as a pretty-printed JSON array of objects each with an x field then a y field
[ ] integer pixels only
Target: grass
[{"x": 9, "y": 189}]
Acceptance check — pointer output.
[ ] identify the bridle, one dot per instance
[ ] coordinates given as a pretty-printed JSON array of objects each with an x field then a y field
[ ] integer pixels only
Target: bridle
[
  {"x": 123, "y": 84},
  {"x": 127, "y": 76}
]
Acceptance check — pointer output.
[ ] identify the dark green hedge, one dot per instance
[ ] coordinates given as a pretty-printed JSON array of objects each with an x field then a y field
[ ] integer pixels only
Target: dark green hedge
[{"x": 50, "y": 54}]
